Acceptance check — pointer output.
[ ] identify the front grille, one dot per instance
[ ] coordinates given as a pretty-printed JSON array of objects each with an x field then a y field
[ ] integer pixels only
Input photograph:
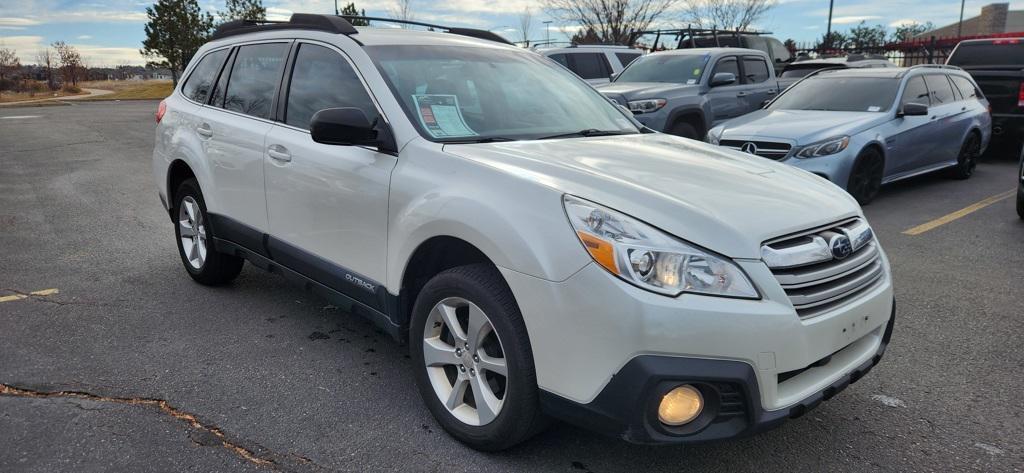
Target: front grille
[
  {"x": 765, "y": 149},
  {"x": 814, "y": 278}
]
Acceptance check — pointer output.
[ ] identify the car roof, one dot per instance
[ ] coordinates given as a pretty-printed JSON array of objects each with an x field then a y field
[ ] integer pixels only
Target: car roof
[
  {"x": 703, "y": 51},
  {"x": 380, "y": 36},
  {"x": 877, "y": 72},
  {"x": 588, "y": 49}
]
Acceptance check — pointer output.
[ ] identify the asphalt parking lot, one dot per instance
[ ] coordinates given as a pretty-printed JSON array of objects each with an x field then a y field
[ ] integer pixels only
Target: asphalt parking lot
[{"x": 131, "y": 366}]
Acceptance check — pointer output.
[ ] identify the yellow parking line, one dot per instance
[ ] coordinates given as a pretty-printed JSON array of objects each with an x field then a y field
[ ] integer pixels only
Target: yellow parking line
[
  {"x": 924, "y": 227},
  {"x": 18, "y": 297}
]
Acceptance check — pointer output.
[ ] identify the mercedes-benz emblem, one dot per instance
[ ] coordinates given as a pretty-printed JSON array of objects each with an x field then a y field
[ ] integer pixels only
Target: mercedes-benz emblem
[
  {"x": 840, "y": 246},
  {"x": 749, "y": 147}
]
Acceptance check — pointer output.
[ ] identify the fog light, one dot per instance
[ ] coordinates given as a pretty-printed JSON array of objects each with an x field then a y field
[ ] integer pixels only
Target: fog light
[{"x": 681, "y": 405}]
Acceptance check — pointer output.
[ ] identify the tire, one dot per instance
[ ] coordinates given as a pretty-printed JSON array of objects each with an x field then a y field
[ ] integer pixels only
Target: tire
[
  {"x": 685, "y": 130},
  {"x": 459, "y": 296},
  {"x": 866, "y": 176},
  {"x": 203, "y": 263},
  {"x": 967, "y": 160},
  {"x": 1020, "y": 190}
]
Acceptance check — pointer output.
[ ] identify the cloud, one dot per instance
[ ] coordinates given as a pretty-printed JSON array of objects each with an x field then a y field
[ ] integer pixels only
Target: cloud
[
  {"x": 847, "y": 20},
  {"x": 903, "y": 22},
  {"x": 85, "y": 36},
  {"x": 17, "y": 22}
]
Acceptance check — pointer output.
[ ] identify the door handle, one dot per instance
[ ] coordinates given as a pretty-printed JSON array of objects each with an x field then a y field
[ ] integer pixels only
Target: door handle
[
  {"x": 279, "y": 153},
  {"x": 772, "y": 92},
  {"x": 204, "y": 130},
  {"x": 741, "y": 94}
]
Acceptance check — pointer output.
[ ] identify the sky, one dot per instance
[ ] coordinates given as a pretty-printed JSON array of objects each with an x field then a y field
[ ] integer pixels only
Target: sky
[{"x": 110, "y": 32}]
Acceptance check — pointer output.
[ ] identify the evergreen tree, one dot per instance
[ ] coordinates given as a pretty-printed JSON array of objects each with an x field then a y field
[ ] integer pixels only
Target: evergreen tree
[
  {"x": 350, "y": 10},
  {"x": 244, "y": 10},
  {"x": 175, "y": 31}
]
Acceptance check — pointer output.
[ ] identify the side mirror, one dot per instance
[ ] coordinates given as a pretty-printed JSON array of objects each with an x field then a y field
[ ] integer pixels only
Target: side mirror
[
  {"x": 350, "y": 127},
  {"x": 913, "y": 109},
  {"x": 723, "y": 78}
]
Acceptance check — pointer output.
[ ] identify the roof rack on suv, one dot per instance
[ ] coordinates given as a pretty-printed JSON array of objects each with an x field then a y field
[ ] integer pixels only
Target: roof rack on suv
[
  {"x": 932, "y": 66},
  {"x": 471, "y": 32},
  {"x": 335, "y": 24},
  {"x": 691, "y": 34}
]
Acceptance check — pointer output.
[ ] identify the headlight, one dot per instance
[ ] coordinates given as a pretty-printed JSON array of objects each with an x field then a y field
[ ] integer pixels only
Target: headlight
[
  {"x": 651, "y": 259},
  {"x": 646, "y": 106},
  {"x": 824, "y": 148}
]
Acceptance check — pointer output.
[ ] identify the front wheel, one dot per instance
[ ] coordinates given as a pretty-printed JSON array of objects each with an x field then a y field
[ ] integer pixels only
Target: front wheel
[
  {"x": 472, "y": 359},
  {"x": 684, "y": 129},
  {"x": 967, "y": 160},
  {"x": 866, "y": 176}
]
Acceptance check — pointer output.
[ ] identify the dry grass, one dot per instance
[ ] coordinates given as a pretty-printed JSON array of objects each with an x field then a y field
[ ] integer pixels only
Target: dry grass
[{"x": 131, "y": 90}]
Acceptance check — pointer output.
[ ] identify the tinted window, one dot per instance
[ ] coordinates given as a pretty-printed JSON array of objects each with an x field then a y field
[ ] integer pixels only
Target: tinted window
[
  {"x": 755, "y": 70},
  {"x": 323, "y": 79},
  {"x": 626, "y": 58},
  {"x": 997, "y": 53},
  {"x": 727, "y": 65},
  {"x": 222, "y": 83},
  {"x": 672, "y": 68},
  {"x": 200, "y": 82},
  {"x": 254, "y": 78},
  {"x": 942, "y": 92},
  {"x": 956, "y": 91},
  {"x": 560, "y": 58},
  {"x": 967, "y": 88},
  {"x": 915, "y": 92},
  {"x": 839, "y": 94},
  {"x": 590, "y": 65},
  {"x": 778, "y": 50}
]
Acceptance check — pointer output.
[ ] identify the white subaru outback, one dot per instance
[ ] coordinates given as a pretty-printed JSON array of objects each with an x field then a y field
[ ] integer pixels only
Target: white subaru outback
[{"x": 542, "y": 253}]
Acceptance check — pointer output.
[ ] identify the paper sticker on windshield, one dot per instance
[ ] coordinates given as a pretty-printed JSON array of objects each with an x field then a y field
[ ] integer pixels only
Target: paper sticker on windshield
[
  {"x": 696, "y": 72},
  {"x": 440, "y": 115},
  {"x": 874, "y": 108},
  {"x": 691, "y": 81}
]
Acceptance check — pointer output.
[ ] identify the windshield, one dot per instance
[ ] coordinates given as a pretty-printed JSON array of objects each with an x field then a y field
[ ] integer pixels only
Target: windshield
[
  {"x": 672, "y": 68},
  {"x": 1008, "y": 52},
  {"x": 839, "y": 94},
  {"x": 456, "y": 93}
]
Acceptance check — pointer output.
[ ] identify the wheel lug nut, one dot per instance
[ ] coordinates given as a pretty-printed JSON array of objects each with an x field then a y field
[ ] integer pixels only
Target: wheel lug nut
[
  {"x": 476, "y": 358},
  {"x": 462, "y": 368},
  {"x": 472, "y": 371}
]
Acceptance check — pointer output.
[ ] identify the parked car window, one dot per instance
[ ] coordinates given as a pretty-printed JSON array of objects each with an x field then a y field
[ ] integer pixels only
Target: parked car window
[
  {"x": 966, "y": 87},
  {"x": 796, "y": 71},
  {"x": 590, "y": 65},
  {"x": 839, "y": 94},
  {"x": 996, "y": 53},
  {"x": 254, "y": 78},
  {"x": 200, "y": 81},
  {"x": 469, "y": 85},
  {"x": 729, "y": 64},
  {"x": 779, "y": 51},
  {"x": 942, "y": 92},
  {"x": 956, "y": 91},
  {"x": 670, "y": 68},
  {"x": 626, "y": 58},
  {"x": 323, "y": 79},
  {"x": 222, "y": 82},
  {"x": 560, "y": 58},
  {"x": 915, "y": 92},
  {"x": 755, "y": 70}
]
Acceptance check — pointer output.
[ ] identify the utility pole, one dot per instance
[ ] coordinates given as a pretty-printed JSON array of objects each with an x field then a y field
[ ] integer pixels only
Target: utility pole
[
  {"x": 828, "y": 29},
  {"x": 960, "y": 26},
  {"x": 336, "y": 11},
  {"x": 547, "y": 32}
]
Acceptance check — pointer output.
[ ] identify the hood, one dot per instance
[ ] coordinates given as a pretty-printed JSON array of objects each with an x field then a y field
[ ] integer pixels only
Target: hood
[
  {"x": 801, "y": 126},
  {"x": 646, "y": 90},
  {"x": 716, "y": 198}
]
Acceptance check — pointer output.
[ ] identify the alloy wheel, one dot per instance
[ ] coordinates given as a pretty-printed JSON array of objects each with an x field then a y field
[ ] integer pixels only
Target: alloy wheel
[
  {"x": 465, "y": 361},
  {"x": 192, "y": 232}
]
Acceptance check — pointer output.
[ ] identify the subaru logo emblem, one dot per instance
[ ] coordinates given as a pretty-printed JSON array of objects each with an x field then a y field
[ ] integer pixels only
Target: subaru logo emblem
[
  {"x": 840, "y": 246},
  {"x": 749, "y": 148}
]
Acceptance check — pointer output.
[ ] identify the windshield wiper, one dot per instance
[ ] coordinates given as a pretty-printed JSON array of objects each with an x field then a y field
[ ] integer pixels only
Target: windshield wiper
[
  {"x": 586, "y": 133},
  {"x": 489, "y": 139}
]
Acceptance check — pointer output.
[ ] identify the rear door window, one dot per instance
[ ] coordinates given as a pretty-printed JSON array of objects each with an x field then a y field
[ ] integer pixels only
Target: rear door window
[
  {"x": 916, "y": 92},
  {"x": 590, "y": 65},
  {"x": 966, "y": 87},
  {"x": 323, "y": 79},
  {"x": 755, "y": 70},
  {"x": 254, "y": 78},
  {"x": 560, "y": 58},
  {"x": 200, "y": 82},
  {"x": 942, "y": 92},
  {"x": 626, "y": 58}
]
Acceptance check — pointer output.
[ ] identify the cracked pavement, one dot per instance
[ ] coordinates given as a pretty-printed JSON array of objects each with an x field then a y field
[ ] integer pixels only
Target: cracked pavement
[{"x": 297, "y": 382}]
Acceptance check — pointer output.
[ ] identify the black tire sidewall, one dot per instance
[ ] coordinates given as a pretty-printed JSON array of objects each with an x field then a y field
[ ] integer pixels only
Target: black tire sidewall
[
  {"x": 478, "y": 284},
  {"x": 862, "y": 158},
  {"x": 684, "y": 130}
]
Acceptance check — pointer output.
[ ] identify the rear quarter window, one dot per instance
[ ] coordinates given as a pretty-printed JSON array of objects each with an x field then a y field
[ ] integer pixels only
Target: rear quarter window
[
  {"x": 967, "y": 88},
  {"x": 626, "y": 58}
]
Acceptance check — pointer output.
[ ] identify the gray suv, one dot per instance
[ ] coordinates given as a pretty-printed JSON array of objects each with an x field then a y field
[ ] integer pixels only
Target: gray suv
[
  {"x": 861, "y": 128},
  {"x": 685, "y": 92}
]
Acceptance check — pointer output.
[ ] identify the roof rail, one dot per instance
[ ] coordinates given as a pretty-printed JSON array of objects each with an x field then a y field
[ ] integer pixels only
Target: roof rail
[
  {"x": 691, "y": 34},
  {"x": 470, "y": 32},
  {"x": 304, "y": 21},
  {"x": 934, "y": 66}
]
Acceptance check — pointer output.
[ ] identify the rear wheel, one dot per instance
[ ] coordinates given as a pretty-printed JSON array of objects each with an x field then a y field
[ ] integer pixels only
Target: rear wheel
[
  {"x": 194, "y": 236},
  {"x": 866, "y": 177},
  {"x": 968, "y": 158},
  {"x": 684, "y": 129},
  {"x": 1020, "y": 190},
  {"x": 472, "y": 358}
]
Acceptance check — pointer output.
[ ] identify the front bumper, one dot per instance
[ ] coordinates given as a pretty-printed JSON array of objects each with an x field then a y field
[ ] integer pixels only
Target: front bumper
[{"x": 627, "y": 406}]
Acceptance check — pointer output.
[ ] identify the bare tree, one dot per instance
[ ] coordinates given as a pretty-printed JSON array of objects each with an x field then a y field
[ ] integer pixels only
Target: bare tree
[
  {"x": 525, "y": 25},
  {"x": 9, "y": 63},
  {"x": 70, "y": 62},
  {"x": 46, "y": 60},
  {"x": 725, "y": 14},
  {"x": 402, "y": 11},
  {"x": 612, "y": 20}
]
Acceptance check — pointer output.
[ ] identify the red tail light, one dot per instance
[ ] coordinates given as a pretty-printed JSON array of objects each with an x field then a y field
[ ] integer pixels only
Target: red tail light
[
  {"x": 163, "y": 109},
  {"x": 1020, "y": 95}
]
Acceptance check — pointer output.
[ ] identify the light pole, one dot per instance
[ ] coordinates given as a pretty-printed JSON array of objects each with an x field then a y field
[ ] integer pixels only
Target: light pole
[
  {"x": 828, "y": 29},
  {"x": 960, "y": 26},
  {"x": 547, "y": 31},
  {"x": 336, "y": 7}
]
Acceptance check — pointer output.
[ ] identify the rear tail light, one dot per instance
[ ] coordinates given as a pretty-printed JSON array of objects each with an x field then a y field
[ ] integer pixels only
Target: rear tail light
[
  {"x": 163, "y": 110},
  {"x": 1020, "y": 95}
]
